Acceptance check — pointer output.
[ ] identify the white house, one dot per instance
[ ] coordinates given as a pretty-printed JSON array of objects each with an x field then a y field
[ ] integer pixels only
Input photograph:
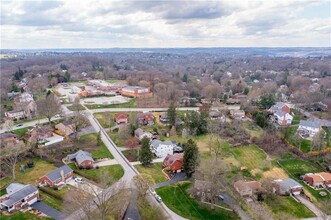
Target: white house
[
  {"x": 26, "y": 97},
  {"x": 309, "y": 128},
  {"x": 283, "y": 118},
  {"x": 162, "y": 148},
  {"x": 140, "y": 134},
  {"x": 18, "y": 195}
]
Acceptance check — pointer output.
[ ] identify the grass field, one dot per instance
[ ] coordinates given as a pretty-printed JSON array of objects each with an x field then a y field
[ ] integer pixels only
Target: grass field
[
  {"x": 296, "y": 120},
  {"x": 147, "y": 212},
  {"x": 76, "y": 108},
  {"x": 50, "y": 200},
  {"x": 31, "y": 175},
  {"x": 177, "y": 198},
  {"x": 97, "y": 152},
  {"x": 279, "y": 204},
  {"x": 155, "y": 170},
  {"x": 251, "y": 156},
  {"x": 253, "y": 129},
  {"x": 22, "y": 216},
  {"x": 297, "y": 167},
  {"x": 303, "y": 144},
  {"x": 21, "y": 131},
  {"x": 115, "y": 171},
  {"x": 129, "y": 104}
]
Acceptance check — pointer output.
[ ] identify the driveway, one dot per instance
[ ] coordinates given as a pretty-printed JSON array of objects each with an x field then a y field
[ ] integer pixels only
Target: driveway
[
  {"x": 157, "y": 160},
  {"x": 234, "y": 205},
  {"x": 87, "y": 187},
  {"x": 51, "y": 212},
  {"x": 177, "y": 178},
  {"x": 310, "y": 206},
  {"x": 106, "y": 162}
]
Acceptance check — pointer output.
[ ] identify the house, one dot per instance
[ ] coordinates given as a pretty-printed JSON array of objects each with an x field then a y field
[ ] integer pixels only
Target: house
[
  {"x": 214, "y": 115},
  {"x": 26, "y": 97},
  {"x": 146, "y": 118},
  {"x": 280, "y": 106},
  {"x": 174, "y": 162},
  {"x": 140, "y": 134},
  {"x": 17, "y": 196},
  {"x": 135, "y": 91},
  {"x": 309, "y": 128},
  {"x": 164, "y": 118},
  {"x": 15, "y": 114},
  {"x": 318, "y": 180},
  {"x": 58, "y": 176},
  {"x": 247, "y": 189},
  {"x": 237, "y": 113},
  {"x": 7, "y": 137},
  {"x": 162, "y": 148},
  {"x": 121, "y": 118},
  {"x": 287, "y": 186},
  {"x": 66, "y": 128},
  {"x": 202, "y": 189},
  {"x": 83, "y": 159},
  {"x": 232, "y": 101},
  {"x": 44, "y": 135},
  {"x": 282, "y": 118}
]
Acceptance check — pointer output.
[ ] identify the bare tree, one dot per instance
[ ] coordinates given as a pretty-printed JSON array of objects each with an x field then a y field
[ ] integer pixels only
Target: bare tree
[
  {"x": 143, "y": 182},
  {"x": 38, "y": 85},
  {"x": 79, "y": 121},
  {"x": 48, "y": 106},
  {"x": 11, "y": 153},
  {"x": 318, "y": 142},
  {"x": 8, "y": 125},
  {"x": 217, "y": 146},
  {"x": 76, "y": 105},
  {"x": 124, "y": 132}
]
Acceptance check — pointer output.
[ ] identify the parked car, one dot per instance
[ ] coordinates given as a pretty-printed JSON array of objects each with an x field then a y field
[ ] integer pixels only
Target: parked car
[
  {"x": 19, "y": 125},
  {"x": 158, "y": 198},
  {"x": 79, "y": 180},
  {"x": 220, "y": 197}
]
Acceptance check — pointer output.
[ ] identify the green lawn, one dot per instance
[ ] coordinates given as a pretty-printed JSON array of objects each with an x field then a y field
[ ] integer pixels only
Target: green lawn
[
  {"x": 177, "y": 198},
  {"x": 102, "y": 152},
  {"x": 253, "y": 129},
  {"x": 297, "y": 167},
  {"x": 303, "y": 144},
  {"x": 147, "y": 212},
  {"x": 288, "y": 205},
  {"x": 98, "y": 152},
  {"x": 130, "y": 104},
  {"x": 327, "y": 136},
  {"x": 114, "y": 80},
  {"x": 116, "y": 171},
  {"x": 76, "y": 108},
  {"x": 251, "y": 156},
  {"x": 296, "y": 120},
  {"x": 155, "y": 170},
  {"x": 31, "y": 175},
  {"x": 22, "y": 216},
  {"x": 21, "y": 131},
  {"x": 50, "y": 200}
]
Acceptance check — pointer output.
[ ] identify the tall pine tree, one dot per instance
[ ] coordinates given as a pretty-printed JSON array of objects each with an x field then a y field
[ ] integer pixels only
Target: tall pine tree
[
  {"x": 191, "y": 157},
  {"x": 145, "y": 155},
  {"x": 171, "y": 114}
]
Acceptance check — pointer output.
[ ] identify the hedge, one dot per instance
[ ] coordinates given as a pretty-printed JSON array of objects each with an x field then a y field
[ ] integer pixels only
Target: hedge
[
  {"x": 51, "y": 192},
  {"x": 83, "y": 174}
]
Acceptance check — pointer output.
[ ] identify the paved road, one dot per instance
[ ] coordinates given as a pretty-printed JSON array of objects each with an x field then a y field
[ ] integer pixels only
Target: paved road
[
  {"x": 177, "y": 178},
  {"x": 132, "y": 211},
  {"x": 51, "y": 212}
]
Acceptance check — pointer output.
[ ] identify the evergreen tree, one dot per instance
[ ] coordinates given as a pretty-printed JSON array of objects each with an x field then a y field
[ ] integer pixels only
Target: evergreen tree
[
  {"x": 267, "y": 101},
  {"x": 171, "y": 113},
  {"x": 145, "y": 155},
  {"x": 185, "y": 78},
  {"x": 191, "y": 157}
]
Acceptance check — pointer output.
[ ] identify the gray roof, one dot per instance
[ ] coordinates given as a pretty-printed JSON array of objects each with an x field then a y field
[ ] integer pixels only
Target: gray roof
[
  {"x": 287, "y": 184},
  {"x": 308, "y": 123},
  {"x": 7, "y": 135},
  {"x": 156, "y": 143},
  {"x": 56, "y": 174},
  {"x": 20, "y": 194},
  {"x": 280, "y": 113},
  {"x": 80, "y": 156},
  {"x": 13, "y": 187},
  {"x": 132, "y": 88}
]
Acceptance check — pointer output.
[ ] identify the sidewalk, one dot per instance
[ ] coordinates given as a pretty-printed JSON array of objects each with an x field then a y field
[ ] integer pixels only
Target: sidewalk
[{"x": 158, "y": 160}]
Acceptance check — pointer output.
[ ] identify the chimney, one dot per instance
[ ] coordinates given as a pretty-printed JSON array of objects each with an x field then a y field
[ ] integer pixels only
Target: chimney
[{"x": 62, "y": 175}]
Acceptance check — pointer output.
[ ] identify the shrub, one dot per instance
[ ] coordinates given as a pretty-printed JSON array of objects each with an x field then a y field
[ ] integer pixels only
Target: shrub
[{"x": 51, "y": 192}]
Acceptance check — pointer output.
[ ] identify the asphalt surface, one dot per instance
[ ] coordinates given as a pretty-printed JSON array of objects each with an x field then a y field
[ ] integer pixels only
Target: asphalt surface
[
  {"x": 177, "y": 178},
  {"x": 132, "y": 211},
  {"x": 234, "y": 205},
  {"x": 51, "y": 212}
]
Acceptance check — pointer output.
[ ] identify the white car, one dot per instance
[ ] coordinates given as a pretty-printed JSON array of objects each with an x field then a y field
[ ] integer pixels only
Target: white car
[
  {"x": 158, "y": 198},
  {"x": 79, "y": 180}
]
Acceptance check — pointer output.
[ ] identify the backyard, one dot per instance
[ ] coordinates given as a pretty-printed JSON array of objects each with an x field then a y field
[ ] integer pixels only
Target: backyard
[
  {"x": 155, "y": 170},
  {"x": 291, "y": 136},
  {"x": 177, "y": 198},
  {"x": 253, "y": 129},
  {"x": 90, "y": 142},
  {"x": 250, "y": 156},
  {"x": 21, "y": 131}
]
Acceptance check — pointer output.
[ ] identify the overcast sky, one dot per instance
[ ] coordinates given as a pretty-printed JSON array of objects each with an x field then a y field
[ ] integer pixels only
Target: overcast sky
[{"x": 132, "y": 24}]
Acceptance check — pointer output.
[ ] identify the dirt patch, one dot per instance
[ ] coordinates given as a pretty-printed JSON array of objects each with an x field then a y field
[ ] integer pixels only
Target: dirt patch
[
  {"x": 232, "y": 161},
  {"x": 275, "y": 173}
]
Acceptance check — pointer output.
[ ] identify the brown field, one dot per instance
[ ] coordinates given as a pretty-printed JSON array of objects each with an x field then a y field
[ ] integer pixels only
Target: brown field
[{"x": 275, "y": 173}]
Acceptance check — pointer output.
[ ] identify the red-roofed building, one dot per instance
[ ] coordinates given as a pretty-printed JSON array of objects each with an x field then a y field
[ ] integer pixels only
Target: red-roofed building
[
  {"x": 174, "y": 162},
  {"x": 121, "y": 118},
  {"x": 318, "y": 179}
]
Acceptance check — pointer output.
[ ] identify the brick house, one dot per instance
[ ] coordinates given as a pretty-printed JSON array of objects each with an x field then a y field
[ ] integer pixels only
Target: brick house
[
  {"x": 247, "y": 189},
  {"x": 121, "y": 118},
  {"x": 66, "y": 128},
  {"x": 40, "y": 134},
  {"x": 280, "y": 106},
  {"x": 287, "y": 186},
  {"x": 83, "y": 159},
  {"x": 146, "y": 118},
  {"x": 15, "y": 115},
  {"x": 17, "y": 196},
  {"x": 318, "y": 180},
  {"x": 7, "y": 137},
  {"x": 140, "y": 134},
  {"x": 174, "y": 162},
  {"x": 57, "y": 176}
]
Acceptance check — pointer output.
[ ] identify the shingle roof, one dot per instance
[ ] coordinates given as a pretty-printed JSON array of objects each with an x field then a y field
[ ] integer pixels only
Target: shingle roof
[
  {"x": 56, "y": 174},
  {"x": 308, "y": 123},
  {"x": 7, "y": 135},
  {"x": 13, "y": 187},
  {"x": 156, "y": 143},
  {"x": 280, "y": 113},
  {"x": 20, "y": 194},
  {"x": 80, "y": 156},
  {"x": 288, "y": 183}
]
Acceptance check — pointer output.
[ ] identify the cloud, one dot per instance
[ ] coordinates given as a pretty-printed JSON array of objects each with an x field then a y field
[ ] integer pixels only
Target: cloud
[{"x": 101, "y": 23}]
